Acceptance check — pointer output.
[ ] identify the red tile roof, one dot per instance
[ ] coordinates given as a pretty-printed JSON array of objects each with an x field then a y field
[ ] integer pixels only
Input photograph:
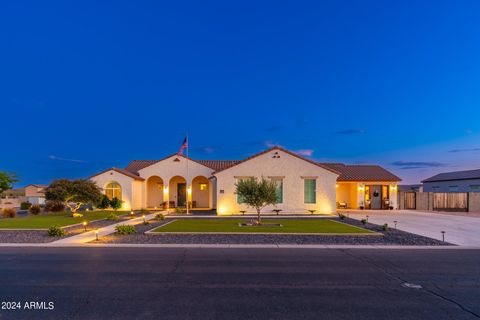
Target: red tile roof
[
  {"x": 215, "y": 165},
  {"x": 346, "y": 172},
  {"x": 362, "y": 172},
  {"x": 218, "y": 165}
]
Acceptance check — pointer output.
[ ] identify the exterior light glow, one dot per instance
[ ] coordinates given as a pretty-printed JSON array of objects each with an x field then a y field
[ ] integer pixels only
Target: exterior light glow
[
  {"x": 144, "y": 219},
  {"x": 336, "y": 185},
  {"x": 96, "y": 234},
  {"x": 85, "y": 225}
]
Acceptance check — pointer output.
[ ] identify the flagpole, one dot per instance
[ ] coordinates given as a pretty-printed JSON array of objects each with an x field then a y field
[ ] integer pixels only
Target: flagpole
[{"x": 188, "y": 178}]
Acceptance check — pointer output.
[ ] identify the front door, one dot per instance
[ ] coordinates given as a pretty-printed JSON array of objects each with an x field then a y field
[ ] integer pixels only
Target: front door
[
  {"x": 181, "y": 194},
  {"x": 376, "y": 197}
]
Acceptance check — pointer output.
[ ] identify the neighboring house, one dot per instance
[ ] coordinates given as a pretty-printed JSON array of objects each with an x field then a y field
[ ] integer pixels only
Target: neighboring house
[
  {"x": 302, "y": 184},
  {"x": 33, "y": 193},
  {"x": 457, "y": 181},
  {"x": 410, "y": 188}
]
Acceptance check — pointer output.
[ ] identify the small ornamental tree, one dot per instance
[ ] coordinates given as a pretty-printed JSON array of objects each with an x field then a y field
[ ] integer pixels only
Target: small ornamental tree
[
  {"x": 116, "y": 203},
  {"x": 104, "y": 203},
  {"x": 7, "y": 179},
  {"x": 257, "y": 194},
  {"x": 73, "y": 193}
]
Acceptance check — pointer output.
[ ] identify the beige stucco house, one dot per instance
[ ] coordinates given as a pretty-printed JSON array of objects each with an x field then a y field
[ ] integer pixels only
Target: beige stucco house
[{"x": 302, "y": 184}]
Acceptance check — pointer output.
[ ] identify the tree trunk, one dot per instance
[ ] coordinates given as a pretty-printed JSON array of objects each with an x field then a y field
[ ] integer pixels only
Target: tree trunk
[{"x": 258, "y": 216}]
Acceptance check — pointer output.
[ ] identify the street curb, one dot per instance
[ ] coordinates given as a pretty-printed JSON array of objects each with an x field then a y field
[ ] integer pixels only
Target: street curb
[{"x": 236, "y": 246}]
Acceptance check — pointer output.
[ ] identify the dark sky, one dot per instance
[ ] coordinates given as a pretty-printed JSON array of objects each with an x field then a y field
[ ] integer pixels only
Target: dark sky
[{"x": 86, "y": 85}]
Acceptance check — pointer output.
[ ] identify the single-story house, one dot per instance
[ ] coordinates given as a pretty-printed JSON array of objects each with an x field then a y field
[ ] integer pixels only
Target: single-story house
[
  {"x": 410, "y": 188},
  {"x": 302, "y": 184},
  {"x": 456, "y": 181}
]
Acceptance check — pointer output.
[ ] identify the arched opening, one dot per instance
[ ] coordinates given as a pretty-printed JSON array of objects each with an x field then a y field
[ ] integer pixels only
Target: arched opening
[
  {"x": 177, "y": 192},
  {"x": 200, "y": 192},
  {"x": 155, "y": 192},
  {"x": 113, "y": 190}
]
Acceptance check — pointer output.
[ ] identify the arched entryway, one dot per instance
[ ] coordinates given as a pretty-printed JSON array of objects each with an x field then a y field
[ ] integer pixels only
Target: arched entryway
[
  {"x": 177, "y": 192},
  {"x": 155, "y": 192},
  {"x": 201, "y": 192}
]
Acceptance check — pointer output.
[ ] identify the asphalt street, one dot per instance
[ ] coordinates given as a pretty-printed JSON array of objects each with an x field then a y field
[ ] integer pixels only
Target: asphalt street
[{"x": 159, "y": 283}]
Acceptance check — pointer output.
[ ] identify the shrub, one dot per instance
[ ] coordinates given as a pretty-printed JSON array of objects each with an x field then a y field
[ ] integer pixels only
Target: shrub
[
  {"x": 144, "y": 212},
  {"x": 112, "y": 216},
  {"x": 25, "y": 205},
  {"x": 364, "y": 221},
  {"x": 115, "y": 203},
  {"x": 385, "y": 227},
  {"x": 160, "y": 216},
  {"x": 56, "y": 231},
  {"x": 342, "y": 216},
  {"x": 125, "y": 229},
  {"x": 9, "y": 213},
  {"x": 35, "y": 209},
  {"x": 104, "y": 203},
  {"x": 77, "y": 215},
  {"x": 54, "y": 206},
  {"x": 178, "y": 210}
]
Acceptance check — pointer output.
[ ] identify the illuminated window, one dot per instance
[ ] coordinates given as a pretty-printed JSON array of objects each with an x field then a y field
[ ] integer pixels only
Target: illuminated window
[
  {"x": 203, "y": 186},
  {"x": 113, "y": 190},
  {"x": 279, "y": 189},
  {"x": 309, "y": 190}
]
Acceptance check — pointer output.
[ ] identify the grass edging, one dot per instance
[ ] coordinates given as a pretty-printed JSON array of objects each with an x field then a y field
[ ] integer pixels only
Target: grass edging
[{"x": 369, "y": 233}]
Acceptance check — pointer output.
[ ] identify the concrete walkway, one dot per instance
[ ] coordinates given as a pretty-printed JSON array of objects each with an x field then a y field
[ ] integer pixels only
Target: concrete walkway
[
  {"x": 459, "y": 229},
  {"x": 91, "y": 235}
]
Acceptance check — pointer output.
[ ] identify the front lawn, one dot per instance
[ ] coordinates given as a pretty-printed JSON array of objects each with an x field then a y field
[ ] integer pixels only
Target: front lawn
[
  {"x": 289, "y": 226},
  {"x": 45, "y": 220}
]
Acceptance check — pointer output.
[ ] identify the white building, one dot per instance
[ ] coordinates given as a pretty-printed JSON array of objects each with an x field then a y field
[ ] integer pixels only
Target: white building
[{"x": 302, "y": 184}]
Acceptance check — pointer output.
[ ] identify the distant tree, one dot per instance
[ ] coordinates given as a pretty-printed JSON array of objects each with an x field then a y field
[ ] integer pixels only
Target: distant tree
[
  {"x": 104, "y": 203},
  {"x": 116, "y": 203},
  {"x": 257, "y": 194},
  {"x": 7, "y": 179},
  {"x": 74, "y": 193}
]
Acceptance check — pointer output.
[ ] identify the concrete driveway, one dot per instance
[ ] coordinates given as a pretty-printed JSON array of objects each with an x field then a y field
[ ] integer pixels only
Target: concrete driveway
[{"x": 459, "y": 229}]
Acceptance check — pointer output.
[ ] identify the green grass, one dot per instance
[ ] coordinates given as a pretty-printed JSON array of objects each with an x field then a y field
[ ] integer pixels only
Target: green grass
[
  {"x": 45, "y": 220},
  {"x": 289, "y": 226}
]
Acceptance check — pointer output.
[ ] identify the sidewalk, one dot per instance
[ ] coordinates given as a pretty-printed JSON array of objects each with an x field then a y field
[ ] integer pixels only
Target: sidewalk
[{"x": 91, "y": 235}]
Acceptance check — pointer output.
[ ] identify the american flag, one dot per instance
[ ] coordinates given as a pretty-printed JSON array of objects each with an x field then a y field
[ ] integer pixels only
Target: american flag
[{"x": 184, "y": 145}]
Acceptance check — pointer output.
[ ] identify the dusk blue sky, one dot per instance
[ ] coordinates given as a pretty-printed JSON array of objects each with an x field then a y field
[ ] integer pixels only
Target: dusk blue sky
[{"x": 87, "y": 85}]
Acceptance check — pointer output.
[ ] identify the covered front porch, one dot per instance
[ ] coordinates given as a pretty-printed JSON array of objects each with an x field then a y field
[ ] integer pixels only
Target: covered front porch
[
  {"x": 370, "y": 195},
  {"x": 175, "y": 192}
]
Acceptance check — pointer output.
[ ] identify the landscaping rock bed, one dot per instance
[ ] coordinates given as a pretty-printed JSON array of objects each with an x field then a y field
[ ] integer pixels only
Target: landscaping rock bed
[{"x": 391, "y": 237}]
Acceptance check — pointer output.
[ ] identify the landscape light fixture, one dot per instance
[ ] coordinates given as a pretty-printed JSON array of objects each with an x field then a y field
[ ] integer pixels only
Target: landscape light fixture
[
  {"x": 85, "y": 225},
  {"x": 144, "y": 219},
  {"x": 443, "y": 236},
  {"x": 96, "y": 234},
  {"x": 395, "y": 223}
]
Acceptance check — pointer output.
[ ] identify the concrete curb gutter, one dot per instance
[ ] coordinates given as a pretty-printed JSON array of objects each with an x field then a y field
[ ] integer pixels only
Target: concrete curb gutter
[{"x": 236, "y": 246}]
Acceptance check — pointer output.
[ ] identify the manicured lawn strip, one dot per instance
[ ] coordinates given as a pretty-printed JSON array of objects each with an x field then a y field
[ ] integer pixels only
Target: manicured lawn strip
[
  {"x": 231, "y": 225},
  {"x": 62, "y": 219}
]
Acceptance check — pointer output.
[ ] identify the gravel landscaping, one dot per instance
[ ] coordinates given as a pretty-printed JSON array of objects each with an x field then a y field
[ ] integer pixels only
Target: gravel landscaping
[
  {"x": 41, "y": 236},
  {"x": 391, "y": 237}
]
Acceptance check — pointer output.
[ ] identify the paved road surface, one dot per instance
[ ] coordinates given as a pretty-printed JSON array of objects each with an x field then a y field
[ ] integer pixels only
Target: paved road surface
[
  {"x": 459, "y": 229},
  {"x": 156, "y": 283}
]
